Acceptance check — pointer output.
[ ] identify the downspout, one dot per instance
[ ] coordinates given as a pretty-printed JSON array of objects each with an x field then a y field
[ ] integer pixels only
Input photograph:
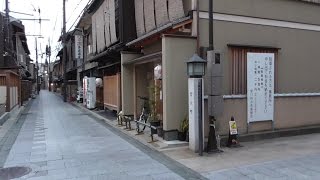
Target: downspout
[
  {"x": 211, "y": 46},
  {"x": 212, "y": 141},
  {"x": 198, "y": 28}
]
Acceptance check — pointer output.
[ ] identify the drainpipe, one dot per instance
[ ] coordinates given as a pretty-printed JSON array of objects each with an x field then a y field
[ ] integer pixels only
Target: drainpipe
[
  {"x": 212, "y": 141},
  {"x": 211, "y": 47},
  {"x": 198, "y": 28}
]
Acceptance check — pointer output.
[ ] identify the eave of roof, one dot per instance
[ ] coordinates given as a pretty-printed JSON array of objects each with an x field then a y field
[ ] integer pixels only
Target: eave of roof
[{"x": 158, "y": 30}]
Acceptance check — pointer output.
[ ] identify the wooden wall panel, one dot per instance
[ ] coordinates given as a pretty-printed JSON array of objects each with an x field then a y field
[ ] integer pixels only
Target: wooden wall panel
[
  {"x": 104, "y": 26},
  {"x": 100, "y": 29},
  {"x": 94, "y": 36},
  {"x": 2, "y": 80},
  {"x": 161, "y": 10},
  {"x": 175, "y": 9},
  {"x": 113, "y": 33},
  {"x": 149, "y": 17},
  {"x": 239, "y": 68},
  {"x": 107, "y": 24},
  {"x": 152, "y": 14},
  {"x": 111, "y": 92},
  {"x": 139, "y": 17}
]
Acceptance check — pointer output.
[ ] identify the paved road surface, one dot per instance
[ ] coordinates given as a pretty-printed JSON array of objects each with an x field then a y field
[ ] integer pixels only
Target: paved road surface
[{"x": 59, "y": 141}]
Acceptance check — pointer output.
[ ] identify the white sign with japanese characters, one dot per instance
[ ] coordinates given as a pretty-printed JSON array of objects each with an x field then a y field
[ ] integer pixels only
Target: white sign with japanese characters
[
  {"x": 78, "y": 46},
  {"x": 260, "y": 86}
]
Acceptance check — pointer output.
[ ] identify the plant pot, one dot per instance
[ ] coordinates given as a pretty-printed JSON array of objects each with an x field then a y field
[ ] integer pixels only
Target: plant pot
[
  {"x": 155, "y": 124},
  {"x": 160, "y": 131},
  {"x": 181, "y": 136}
]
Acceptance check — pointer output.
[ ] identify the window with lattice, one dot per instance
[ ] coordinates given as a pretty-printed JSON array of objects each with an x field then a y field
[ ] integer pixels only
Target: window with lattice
[{"x": 238, "y": 67}]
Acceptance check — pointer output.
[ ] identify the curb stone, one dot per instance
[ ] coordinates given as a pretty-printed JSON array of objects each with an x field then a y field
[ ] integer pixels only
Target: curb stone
[{"x": 153, "y": 152}]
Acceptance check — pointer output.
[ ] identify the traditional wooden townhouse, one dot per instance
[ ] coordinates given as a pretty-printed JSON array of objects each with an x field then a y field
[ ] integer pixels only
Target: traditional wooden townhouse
[
  {"x": 164, "y": 43},
  {"x": 15, "y": 76},
  {"x": 71, "y": 65},
  {"x": 107, "y": 26},
  {"x": 57, "y": 76},
  {"x": 265, "y": 70}
]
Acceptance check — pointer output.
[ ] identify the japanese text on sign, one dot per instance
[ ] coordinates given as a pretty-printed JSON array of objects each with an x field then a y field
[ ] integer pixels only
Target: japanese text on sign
[
  {"x": 260, "y": 82},
  {"x": 78, "y": 46}
]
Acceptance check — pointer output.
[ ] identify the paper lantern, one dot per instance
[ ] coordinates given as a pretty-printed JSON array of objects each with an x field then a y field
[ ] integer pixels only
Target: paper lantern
[
  {"x": 158, "y": 72},
  {"x": 99, "y": 82}
]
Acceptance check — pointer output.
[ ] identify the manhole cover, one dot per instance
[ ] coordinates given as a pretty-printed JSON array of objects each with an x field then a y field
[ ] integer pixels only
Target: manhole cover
[{"x": 13, "y": 172}]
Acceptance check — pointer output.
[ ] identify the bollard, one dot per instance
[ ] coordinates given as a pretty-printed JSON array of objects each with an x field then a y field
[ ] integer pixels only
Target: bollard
[{"x": 213, "y": 145}]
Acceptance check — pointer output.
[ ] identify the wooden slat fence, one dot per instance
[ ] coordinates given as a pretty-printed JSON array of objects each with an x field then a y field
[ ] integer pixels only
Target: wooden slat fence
[
  {"x": 10, "y": 85},
  {"x": 111, "y": 92},
  {"x": 26, "y": 90},
  {"x": 238, "y": 67}
]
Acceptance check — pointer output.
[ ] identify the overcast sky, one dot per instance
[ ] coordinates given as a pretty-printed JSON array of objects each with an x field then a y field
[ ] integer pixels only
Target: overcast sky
[{"x": 50, "y": 9}]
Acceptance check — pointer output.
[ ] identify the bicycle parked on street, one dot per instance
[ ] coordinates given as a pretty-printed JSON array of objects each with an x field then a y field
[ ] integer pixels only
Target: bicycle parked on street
[{"x": 143, "y": 118}]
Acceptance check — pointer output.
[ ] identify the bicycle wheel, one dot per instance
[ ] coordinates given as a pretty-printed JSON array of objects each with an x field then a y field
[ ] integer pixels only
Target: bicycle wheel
[{"x": 144, "y": 120}]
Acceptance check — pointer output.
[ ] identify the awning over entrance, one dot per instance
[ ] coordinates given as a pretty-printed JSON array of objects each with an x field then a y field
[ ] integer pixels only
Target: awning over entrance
[{"x": 147, "y": 58}]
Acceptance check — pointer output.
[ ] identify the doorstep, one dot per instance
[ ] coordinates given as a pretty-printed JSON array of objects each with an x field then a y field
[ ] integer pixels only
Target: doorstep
[{"x": 159, "y": 144}]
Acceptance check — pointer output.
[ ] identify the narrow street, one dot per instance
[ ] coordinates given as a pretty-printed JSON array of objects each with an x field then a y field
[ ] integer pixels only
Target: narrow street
[{"x": 58, "y": 141}]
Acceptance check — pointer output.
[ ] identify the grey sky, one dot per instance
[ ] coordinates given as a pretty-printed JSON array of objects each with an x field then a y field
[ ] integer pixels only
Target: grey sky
[{"x": 50, "y": 9}]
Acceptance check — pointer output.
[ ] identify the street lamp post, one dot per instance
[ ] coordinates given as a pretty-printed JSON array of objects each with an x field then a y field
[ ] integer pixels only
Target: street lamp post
[{"x": 196, "y": 70}]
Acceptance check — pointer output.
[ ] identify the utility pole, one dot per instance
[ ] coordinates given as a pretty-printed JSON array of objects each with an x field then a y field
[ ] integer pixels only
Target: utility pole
[
  {"x": 7, "y": 36},
  {"x": 37, "y": 65},
  {"x": 7, "y": 21},
  {"x": 48, "y": 53},
  {"x": 213, "y": 58},
  {"x": 64, "y": 53}
]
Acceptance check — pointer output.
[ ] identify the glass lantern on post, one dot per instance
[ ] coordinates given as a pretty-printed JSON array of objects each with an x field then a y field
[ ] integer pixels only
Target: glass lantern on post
[
  {"x": 196, "y": 67},
  {"x": 196, "y": 70}
]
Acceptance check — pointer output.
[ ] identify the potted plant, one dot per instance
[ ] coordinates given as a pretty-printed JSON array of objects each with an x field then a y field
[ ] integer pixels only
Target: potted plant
[
  {"x": 184, "y": 129},
  {"x": 153, "y": 117}
]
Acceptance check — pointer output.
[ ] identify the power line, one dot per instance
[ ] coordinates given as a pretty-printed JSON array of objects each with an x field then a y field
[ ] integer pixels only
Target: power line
[
  {"x": 22, "y": 13},
  {"x": 79, "y": 15},
  {"x": 54, "y": 27},
  {"x": 74, "y": 10}
]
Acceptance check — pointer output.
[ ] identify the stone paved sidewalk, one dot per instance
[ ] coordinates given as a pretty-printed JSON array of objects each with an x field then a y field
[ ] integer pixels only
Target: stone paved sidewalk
[
  {"x": 59, "y": 141},
  {"x": 296, "y": 157}
]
